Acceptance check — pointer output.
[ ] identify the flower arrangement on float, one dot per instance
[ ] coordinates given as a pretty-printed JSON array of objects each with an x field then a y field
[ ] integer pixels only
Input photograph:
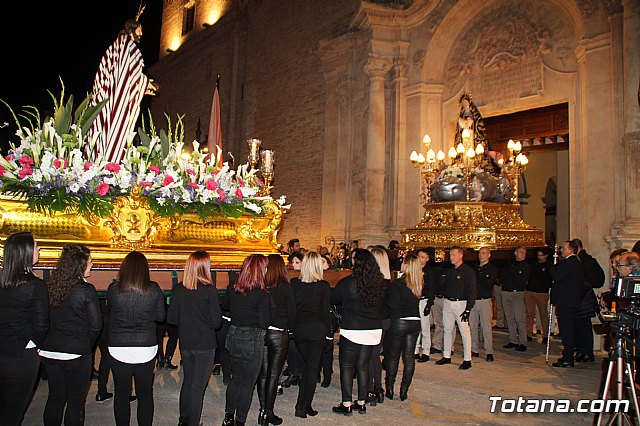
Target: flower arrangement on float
[{"x": 54, "y": 168}]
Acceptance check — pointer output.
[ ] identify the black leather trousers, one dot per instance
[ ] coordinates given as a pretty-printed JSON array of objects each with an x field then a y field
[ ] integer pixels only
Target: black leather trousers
[
  {"x": 354, "y": 358},
  {"x": 400, "y": 339},
  {"x": 276, "y": 347}
]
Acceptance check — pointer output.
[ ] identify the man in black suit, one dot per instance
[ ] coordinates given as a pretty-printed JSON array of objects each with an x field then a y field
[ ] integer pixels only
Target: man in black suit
[{"x": 566, "y": 295}]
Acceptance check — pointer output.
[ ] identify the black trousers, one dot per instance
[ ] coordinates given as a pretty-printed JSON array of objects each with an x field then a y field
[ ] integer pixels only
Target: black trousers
[
  {"x": 143, "y": 377},
  {"x": 567, "y": 323},
  {"x": 172, "y": 342},
  {"x": 310, "y": 353},
  {"x": 105, "y": 363},
  {"x": 275, "y": 352},
  {"x": 326, "y": 360},
  {"x": 196, "y": 367},
  {"x": 246, "y": 347},
  {"x": 17, "y": 378},
  {"x": 68, "y": 386},
  {"x": 401, "y": 340},
  {"x": 294, "y": 360},
  {"x": 354, "y": 358},
  {"x": 584, "y": 336},
  {"x": 222, "y": 354}
]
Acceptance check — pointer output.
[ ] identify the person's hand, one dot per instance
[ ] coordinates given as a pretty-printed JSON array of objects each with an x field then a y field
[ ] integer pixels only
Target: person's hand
[
  {"x": 152, "y": 88},
  {"x": 465, "y": 316}
]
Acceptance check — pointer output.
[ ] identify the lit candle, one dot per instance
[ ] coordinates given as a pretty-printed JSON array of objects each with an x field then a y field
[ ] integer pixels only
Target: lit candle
[
  {"x": 452, "y": 152},
  {"x": 267, "y": 160},
  {"x": 517, "y": 146},
  {"x": 413, "y": 157},
  {"x": 519, "y": 158},
  {"x": 525, "y": 160},
  {"x": 440, "y": 155},
  {"x": 511, "y": 145},
  {"x": 431, "y": 155},
  {"x": 479, "y": 149},
  {"x": 471, "y": 153},
  {"x": 460, "y": 148},
  {"x": 421, "y": 158},
  {"x": 254, "y": 145},
  {"x": 426, "y": 140},
  {"x": 466, "y": 134}
]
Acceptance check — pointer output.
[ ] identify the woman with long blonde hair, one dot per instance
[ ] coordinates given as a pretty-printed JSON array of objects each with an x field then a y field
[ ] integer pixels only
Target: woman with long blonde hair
[
  {"x": 403, "y": 302},
  {"x": 195, "y": 309}
]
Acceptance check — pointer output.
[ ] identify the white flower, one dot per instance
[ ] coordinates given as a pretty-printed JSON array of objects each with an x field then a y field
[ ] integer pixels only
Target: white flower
[
  {"x": 251, "y": 206},
  {"x": 36, "y": 176},
  {"x": 74, "y": 187},
  {"x": 161, "y": 201}
]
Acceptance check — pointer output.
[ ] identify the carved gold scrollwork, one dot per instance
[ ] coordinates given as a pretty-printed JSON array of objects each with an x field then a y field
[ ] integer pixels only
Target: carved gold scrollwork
[{"x": 247, "y": 232}]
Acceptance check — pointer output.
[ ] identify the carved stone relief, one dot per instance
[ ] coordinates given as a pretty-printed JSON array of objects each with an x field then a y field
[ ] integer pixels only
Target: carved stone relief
[
  {"x": 587, "y": 7},
  {"x": 418, "y": 58}
]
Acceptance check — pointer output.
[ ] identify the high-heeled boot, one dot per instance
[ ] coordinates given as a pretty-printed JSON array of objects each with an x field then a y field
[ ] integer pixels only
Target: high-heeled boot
[
  {"x": 167, "y": 363},
  {"x": 263, "y": 418},
  {"x": 380, "y": 395},
  {"x": 404, "y": 391}
]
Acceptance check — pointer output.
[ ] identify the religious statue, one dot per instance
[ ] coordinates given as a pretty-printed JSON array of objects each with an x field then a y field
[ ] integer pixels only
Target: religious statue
[{"x": 121, "y": 80}]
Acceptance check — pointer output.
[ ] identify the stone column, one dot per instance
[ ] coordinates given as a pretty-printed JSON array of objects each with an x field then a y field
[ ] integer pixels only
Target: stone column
[
  {"x": 376, "y": 68},
  {"x": 399, "y": 156}
]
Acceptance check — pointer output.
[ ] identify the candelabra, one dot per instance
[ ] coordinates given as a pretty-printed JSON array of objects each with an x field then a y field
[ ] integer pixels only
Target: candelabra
[
  {"x": 254, "y": 152},
  {"x": 268, "y": 158},
  {"x": 515, "y": 166},
  {"x": 429, "y": 167}
]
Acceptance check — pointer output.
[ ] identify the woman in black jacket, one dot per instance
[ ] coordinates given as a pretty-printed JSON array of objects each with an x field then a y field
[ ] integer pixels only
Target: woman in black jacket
[
  {"x": 248, "y": 301},
  {"x": 283, "y": 317},
  {"x": 24, "y": 315},
  {"x": 75, "y": 323},
  {"x": 195, "y": 310},
  {"x": 312, "y": 328},
  {"x": 362, "y": 297},
  {"x": 403, "y": 303},
  {"x": 135, "y": 303}
]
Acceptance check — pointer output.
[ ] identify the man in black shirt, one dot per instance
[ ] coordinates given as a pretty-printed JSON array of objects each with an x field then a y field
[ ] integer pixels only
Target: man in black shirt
[
  {"x": 460, "y": 296},
  {"x": 514, "y": 279},
  {"x": 482, "y": 312},
  {"x": 537, "y": 294}
]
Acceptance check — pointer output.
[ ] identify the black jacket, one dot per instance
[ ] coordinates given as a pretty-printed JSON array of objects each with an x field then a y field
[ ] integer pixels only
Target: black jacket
[
  {"x": 401, "y": 301},
  {"x": 134, "y": 315},
  {"x": 355, "y": 314},
  {"x": 75, "y": 325},
  {"x": 460, "y": 283},
  {"x": 197, "y": 315},
  {"x": 283, "y": 306},
  {"x": 540, "y": 278},
  {"x": 24, "y": 316},
  {"x": 514, "y": 276},
  {"x": 431, "y": 277},
  {"x": 593, "y": 272},
  {"x": 251, "y": 309},
  {"x": 568, "y": 283},
  {"x": 486, "y": 278},
  {"x": 313, "y": 319}
]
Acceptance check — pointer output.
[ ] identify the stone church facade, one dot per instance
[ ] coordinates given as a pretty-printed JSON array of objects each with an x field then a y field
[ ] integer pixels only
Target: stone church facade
[{"x": 343, "y": 91}]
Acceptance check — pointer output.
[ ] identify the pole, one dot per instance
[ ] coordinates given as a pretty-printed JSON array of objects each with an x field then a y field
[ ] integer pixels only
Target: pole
[{"x": 546, "y": 357}]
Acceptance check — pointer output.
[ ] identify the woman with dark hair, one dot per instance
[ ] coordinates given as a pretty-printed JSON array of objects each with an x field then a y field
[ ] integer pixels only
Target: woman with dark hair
[
  {"x": 24, "y": 315},
  {"x": 403, "y": 302},
  {"x": 295, "y": 260},
  {"x": 75, "y": 323},
  {"x": 362, "y": 297},
  {"x": 248, "y": 301},
  {"x": 283, "y": 317},
  {"x": 195, "y": 310},
  {"x": 294, "y": 361},
  {"x": 313, "y": 326},
  {"x": 136, "y": 303}
]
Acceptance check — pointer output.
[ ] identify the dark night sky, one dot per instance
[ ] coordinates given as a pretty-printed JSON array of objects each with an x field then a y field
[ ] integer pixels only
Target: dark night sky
[{"x": 46, "y": 40}]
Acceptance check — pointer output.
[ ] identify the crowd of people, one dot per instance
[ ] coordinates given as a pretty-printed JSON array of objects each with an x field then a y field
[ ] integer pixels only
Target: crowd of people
[{"x": 266, "y": 319}]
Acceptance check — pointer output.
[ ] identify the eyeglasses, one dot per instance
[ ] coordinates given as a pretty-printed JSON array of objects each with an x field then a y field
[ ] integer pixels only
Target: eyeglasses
[{"x": 623, "y": 264}]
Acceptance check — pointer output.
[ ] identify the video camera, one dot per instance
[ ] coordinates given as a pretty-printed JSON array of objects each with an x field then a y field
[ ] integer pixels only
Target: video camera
[
  {"x": 627, "y": 319},
  {"x": 627, "y": 287}
]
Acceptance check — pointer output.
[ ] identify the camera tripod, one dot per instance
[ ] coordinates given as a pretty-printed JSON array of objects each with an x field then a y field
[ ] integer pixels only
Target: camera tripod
[{"x": 620, "y": 366}]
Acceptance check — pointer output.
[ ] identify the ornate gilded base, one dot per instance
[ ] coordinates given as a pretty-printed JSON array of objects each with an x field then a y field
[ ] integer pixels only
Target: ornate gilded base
[
  {"x": 166, "y": 242},
  {"x": 472, "y": 225}
]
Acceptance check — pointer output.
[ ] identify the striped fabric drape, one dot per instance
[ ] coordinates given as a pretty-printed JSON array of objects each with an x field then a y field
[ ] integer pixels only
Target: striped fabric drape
[{"x": 120, "y": 78}]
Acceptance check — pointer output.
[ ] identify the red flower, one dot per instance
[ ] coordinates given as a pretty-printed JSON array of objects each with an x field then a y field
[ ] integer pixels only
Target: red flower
[
  {"x": 26, "y": 160},
  {"x": 10, "y": 157},
  {"x": 113, "y": 167},
  {"x": 154, "y": 169},
  {"x": 193, "y": 185},
  {"x": 167, "y": 180},
  {"x": 240, "y": 181},
  {"x": 87, "y": 165},
  {"x": 103, "y": 189},
  {"x": 212, "y": 185},
  {"x": 259, "y": 182},
  {"x": 58, "y": 163},
  {"x": 191, "y": 172},
  {"x": 239, "y": 193},
  {"x": 25, "y": 171},
  {"x": 2, "y": 170},
  {"x": 143, "y": 184},
  {"x": 222, "y": 195}
]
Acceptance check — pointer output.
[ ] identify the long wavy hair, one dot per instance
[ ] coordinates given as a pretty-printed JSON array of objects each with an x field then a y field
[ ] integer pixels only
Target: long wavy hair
[
  {"x": 413, "y": 276},
  {"x": 276, "y": 271},
  {"x": 69, "y": 271},
  {"x": 17, "y": 263},
  {"x": 134, "y": 274},
  {"x": 370, "y": 284},
  {"x": 252, "y": 274},
  {"x": 197, "y": 270}
]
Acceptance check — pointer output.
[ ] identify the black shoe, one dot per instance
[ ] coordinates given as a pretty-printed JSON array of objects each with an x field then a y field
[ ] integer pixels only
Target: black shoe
[
  {"x": 301, "y": 412},
  {"x": 292, "y": 380},
  {"x": 311, "y": 411},
  {"x": 104, "y": 397},
  {"x": 585, "y": 358},
  {"x": 423, "y": 358},
  {"x": 389, "y": 393},
  {"x": 360, "y": 408},
  {"x": 545, "y": 340},
  {"x": 167, "y": 363},
  {"x": 510, "y": 345},
  {"x": 490, "y": 358},
  {"x": 443, "y": 361},
  {"x": 132, "y": 398},
  {"x": 217, "y": 370},
  {"x": 404, "y": 393},
  {"x": 380, "y": 395},
  {"x": 159, "y": 363},
  {"x": 326, "y": 382},
  {"x": 183, "y": 421},
  {"x": 521, "y": 348},
  {"x": 562, "y": 364},
  {"x": 465, "y": 365},
  {"x": 342, "y": 409},
  {"x": 275, "y": 420},
  {"x": 285, "y": 372},
  {"x": 229, "y": 420},
  {"x": 279, "y": 389},
  {"x": 529, "y": 339},
  {"x": 475, "y": 354},
  {"x": 263, "y": 418},
  {"x": 372, "y": 399},
  {"x": 417, "y": 356},
  {"x": 435, "y": 350}
]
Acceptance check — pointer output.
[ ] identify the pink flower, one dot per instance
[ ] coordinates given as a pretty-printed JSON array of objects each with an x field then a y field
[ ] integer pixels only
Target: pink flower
[
  {"x": 167, "y": 180},
  {"x": 2, "y": 170},
  {"x": 103, "y": 189},
  {"x": 26, "y": 160},
  {"x": 147, "y": 184},
  {"x": 10, "y": 157},
  {"x": 239, "y": 193},
  {"x": 25, "y": 171},
  {"x": 193, "y": 185},
  {"x": 259, "y": 182},
  {"x": 212, "y": 185},
  {"x": 222, "y": 195},
  {"x": 154, "y": 169},
  {"x": 240, "y": 181},
  {"x": 113, "y": 167},
  {"x": 87, "y": 165},
  {"x": 58, "y": 163},
  {"x": 191, "y": 172}
]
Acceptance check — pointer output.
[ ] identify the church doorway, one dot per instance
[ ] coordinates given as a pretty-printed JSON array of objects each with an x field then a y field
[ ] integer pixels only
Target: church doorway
[{"x": 544, "y": 187}]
